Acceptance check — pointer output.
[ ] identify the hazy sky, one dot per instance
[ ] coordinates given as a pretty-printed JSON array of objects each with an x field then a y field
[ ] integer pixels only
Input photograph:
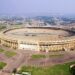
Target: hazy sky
[{"x": 37, "y": 6}]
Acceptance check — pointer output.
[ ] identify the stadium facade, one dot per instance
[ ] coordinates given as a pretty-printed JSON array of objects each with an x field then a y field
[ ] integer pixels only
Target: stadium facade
[{"x": 38, "y": 39}]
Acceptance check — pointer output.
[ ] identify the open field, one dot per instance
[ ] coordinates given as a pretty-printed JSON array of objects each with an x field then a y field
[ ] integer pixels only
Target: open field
[
  {"x": 61, "y": 69},
  {"x": 2, "y": 64},
  {"x": 1, "y": 50},
  {"x": 56, "y": 55},
  {"x": 38, "y": 56},
  {"x": 8, "y": 53}
]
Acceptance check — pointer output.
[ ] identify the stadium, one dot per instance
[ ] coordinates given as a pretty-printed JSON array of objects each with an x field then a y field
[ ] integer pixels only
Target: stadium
[{"x": 44, "y": 39}]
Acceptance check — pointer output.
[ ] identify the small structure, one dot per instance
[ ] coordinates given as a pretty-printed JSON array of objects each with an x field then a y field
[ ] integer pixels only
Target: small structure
[{"x": 23, "y": 73}]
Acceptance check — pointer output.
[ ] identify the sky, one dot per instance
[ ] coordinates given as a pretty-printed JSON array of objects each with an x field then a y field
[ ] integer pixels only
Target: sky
[{"x": 37, "y": 6}]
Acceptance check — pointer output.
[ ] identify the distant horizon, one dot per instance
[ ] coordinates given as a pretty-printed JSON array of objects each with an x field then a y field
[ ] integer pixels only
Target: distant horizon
[
  {"x": 35, "y": 14},
  {"x": 37, "y": 7}
]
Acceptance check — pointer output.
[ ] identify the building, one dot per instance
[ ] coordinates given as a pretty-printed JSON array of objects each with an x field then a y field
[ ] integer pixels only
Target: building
[{"x": 38, "y": 39}]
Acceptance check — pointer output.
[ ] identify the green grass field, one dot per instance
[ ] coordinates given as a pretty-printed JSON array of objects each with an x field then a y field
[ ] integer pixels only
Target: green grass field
[
  {"x": 56, "y": 55},
  {"x": 8, "y": 53},
  {"x": 38, "y": 56},
  {"x": 61, "y": 69},
  {"x": 2, "y": 65},
  {"x": 1, "y": 50}
]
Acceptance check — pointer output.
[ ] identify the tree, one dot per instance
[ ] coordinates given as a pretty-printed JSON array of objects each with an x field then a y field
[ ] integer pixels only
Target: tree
[
  {"x": 72, "y": 69},
  {"x": 14, "y": 70}
]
